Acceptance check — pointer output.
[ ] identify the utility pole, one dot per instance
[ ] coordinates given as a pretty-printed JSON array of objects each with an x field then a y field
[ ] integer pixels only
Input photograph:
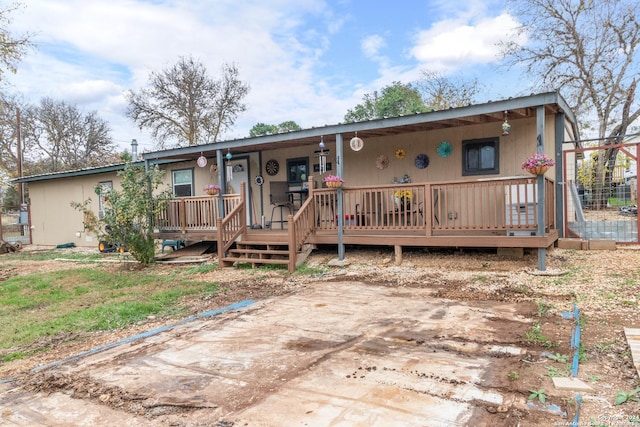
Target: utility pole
[{"x": 19, "y": 156}]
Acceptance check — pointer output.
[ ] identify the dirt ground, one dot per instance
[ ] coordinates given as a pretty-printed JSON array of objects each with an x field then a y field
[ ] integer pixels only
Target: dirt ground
[{"x": 604, "y": 285}]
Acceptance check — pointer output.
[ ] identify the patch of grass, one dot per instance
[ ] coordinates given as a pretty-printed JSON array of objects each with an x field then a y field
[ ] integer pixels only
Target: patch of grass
[
  {"x": 306, "y": 270},
  {"x": 481, "y": 278},
  {"x": 85, "y": 299},
  {"x": 544, "y": 308},
  {"x": 200, "y": 269},
  {"x": 562, "y": 358},
  {"x": 534, "y": 335},
  {"x": 606, "y": 346},
  {"x": 513, "y": 376},
  {"x": 55, "y": 254}
]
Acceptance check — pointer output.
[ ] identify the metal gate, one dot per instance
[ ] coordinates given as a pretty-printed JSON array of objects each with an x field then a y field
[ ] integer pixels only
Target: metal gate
[
  {"x": 601, "y": 193},
  {"x": 15, "y": 224}
]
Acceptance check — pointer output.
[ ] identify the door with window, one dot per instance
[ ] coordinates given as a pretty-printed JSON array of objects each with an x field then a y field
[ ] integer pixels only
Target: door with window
[{"x": 240, "y": 173}]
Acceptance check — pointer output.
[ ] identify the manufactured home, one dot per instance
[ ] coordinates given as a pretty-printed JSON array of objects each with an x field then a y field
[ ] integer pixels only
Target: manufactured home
[{"x": 449, "y": 178}]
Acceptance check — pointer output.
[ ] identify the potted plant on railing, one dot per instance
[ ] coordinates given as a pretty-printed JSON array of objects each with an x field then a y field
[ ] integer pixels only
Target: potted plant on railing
[
  {"x": 212, "y": 189},
  {"x": 333, "y": 181},
  {"x": 537, "y": 164},
  {"x": 403, "y": 199}
]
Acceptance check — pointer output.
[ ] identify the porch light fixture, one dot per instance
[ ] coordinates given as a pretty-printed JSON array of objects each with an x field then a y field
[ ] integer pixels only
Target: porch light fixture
[
  {"x": 322, "y": 157},
  {"x": 356, "y": 143},
  {"x": 229, "y": 168},
  {"x": 506, "y": 127}
]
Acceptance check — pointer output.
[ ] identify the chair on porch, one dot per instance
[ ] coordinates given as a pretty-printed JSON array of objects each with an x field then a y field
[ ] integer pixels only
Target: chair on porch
[{"x": 280, "y": 199}]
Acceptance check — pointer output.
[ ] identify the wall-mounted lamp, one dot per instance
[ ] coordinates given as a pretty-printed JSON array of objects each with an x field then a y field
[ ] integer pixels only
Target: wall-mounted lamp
[{"x": 506, "y": 127}]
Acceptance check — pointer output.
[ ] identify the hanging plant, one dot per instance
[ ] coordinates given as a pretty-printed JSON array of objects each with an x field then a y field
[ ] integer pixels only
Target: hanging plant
[
  {"x": 382, "y": 162},
  {"x": 400, "y": 153},
  {"x": 422, "y": 161},
  {"x": 444, "y": 149}
]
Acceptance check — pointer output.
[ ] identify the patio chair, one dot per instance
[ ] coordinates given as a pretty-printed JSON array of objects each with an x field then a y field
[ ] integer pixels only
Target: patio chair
[{"x": 280, "y": 199}]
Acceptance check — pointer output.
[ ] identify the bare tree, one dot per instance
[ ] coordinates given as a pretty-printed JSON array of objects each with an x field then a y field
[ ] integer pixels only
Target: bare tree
[
  {"x": 182, "y": 105},
  {"x": 441, "y": 92},
  {"x": 12, "y": 48},
  {"x": 69, "y": 138}
]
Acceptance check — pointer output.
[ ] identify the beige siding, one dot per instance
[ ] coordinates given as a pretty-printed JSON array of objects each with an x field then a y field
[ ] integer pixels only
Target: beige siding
[{"x": 53, "y": 219}]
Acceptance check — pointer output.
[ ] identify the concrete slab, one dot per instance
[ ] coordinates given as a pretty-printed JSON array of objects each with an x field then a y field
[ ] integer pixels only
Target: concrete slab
[
  {"x": 331, "y": 354},
  {"x": 574, "y": 384},
  {"x": 633, "y": 339}
]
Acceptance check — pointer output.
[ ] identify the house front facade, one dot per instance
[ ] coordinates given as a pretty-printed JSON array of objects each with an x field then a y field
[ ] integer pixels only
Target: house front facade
[{"x": 442, "y": 178}]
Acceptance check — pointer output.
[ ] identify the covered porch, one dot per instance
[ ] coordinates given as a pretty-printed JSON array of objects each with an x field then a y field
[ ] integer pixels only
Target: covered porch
[{"x": 515, "y": 212}]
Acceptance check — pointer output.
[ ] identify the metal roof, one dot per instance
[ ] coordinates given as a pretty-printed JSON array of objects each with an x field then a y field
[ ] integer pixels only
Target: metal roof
[{"x": 489, "y": 112}]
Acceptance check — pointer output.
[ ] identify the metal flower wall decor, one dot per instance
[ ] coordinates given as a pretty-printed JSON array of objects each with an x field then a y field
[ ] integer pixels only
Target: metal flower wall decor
[
  {"x": 422, "y": 161},
  {"x": 444, "y": 149}
]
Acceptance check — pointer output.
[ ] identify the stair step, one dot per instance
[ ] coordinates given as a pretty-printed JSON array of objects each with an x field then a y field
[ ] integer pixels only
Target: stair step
[
  {"x": 261, "y": 243},
  {"x": 258, "y": 251},
  {"x": 256, "y": 260}
]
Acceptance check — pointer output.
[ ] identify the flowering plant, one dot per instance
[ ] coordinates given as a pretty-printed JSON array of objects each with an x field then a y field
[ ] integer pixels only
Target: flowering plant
[
  {"x": 333, "y": 178},
  {"x": 403, "y": 194},
  {"x": 537, "y": 160},
  {"x": 211, "y": 187}
]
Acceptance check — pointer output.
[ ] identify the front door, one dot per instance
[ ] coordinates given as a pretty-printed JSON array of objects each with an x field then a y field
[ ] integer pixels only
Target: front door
[{"x": 240, "y": 174}]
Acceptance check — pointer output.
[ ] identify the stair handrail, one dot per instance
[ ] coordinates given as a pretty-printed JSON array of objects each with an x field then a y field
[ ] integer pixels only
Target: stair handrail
[
  {"x": 300, "y": 226},
  {"x": 232, "y": 226}
]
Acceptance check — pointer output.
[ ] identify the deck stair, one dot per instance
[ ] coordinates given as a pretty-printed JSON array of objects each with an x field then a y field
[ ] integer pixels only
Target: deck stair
[{"x": 263, "y": 249}]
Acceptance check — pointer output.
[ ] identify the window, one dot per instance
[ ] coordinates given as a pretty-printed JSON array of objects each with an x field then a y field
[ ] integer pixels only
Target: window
[
  {"x": 105, "y": 188},
  {"x": 297, "y": 170},
  {"x": 480, "y": 156},
  {"x": 182, "y": 182}
]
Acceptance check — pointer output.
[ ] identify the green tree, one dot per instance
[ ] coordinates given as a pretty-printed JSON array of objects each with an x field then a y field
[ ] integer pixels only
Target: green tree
[
  {"x": 183, "y": 106},
  {"x": 128, "y": 213},
  {"x": 394, "y": 100},
  {"x": 260, "y": 129},
  {"x": 12, "y": 48}
]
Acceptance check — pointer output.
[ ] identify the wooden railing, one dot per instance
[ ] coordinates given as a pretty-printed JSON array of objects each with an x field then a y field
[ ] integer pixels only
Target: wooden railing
[
  {"x": 194, "y": 213},
  {"x": 474, "y": 205},
  {"x": 301, "y": 225},
  {"x": 232, "y": 226},
  {"x": 500, "y": 205}
]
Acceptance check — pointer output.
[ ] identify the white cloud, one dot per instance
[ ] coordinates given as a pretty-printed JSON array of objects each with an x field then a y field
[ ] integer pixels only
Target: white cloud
[
  {"x": 454, "y": 44},
  {"x": 92, "y": 52}
]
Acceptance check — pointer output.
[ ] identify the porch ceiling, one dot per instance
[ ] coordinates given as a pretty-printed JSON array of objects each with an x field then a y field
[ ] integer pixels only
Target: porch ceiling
[{"x": 492, "y": 112}]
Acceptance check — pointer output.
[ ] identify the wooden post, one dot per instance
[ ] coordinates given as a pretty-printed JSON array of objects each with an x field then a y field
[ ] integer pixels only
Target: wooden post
[{"x": 398, "y": 253}]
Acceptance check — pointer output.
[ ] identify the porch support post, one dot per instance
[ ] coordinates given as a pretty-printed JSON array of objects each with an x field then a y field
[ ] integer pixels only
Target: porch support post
[
  {"x": 221, "y": 180},
  {"x": 540, "y": 207},
  {"x": 559, "y": 199},
  {"x": 340, "y": 171}
]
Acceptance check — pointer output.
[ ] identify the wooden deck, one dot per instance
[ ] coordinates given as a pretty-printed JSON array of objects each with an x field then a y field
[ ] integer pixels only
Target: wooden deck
[{"x": 476, "y": 213}]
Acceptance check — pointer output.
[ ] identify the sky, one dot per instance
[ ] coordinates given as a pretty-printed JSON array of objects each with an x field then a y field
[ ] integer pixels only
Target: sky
[{"x": 308, "y": 61}]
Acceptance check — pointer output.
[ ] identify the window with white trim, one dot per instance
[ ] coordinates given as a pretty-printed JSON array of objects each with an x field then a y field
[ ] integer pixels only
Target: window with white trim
[{"x": 182, "y": 181}]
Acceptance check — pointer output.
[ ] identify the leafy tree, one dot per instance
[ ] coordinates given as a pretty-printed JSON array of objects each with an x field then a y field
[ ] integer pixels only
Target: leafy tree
[
  {"x": 128, "y": 212},
  {"x": 394, "y": 100},
  {"x": 441, "y": 92},
  {"x": 12, "y": 48},
  {"x": 260, "y": 129},
  {"x": 184, "y": 106},
  {"x": 69, "y": 138},
  {"x": 588, "y": 50}
]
